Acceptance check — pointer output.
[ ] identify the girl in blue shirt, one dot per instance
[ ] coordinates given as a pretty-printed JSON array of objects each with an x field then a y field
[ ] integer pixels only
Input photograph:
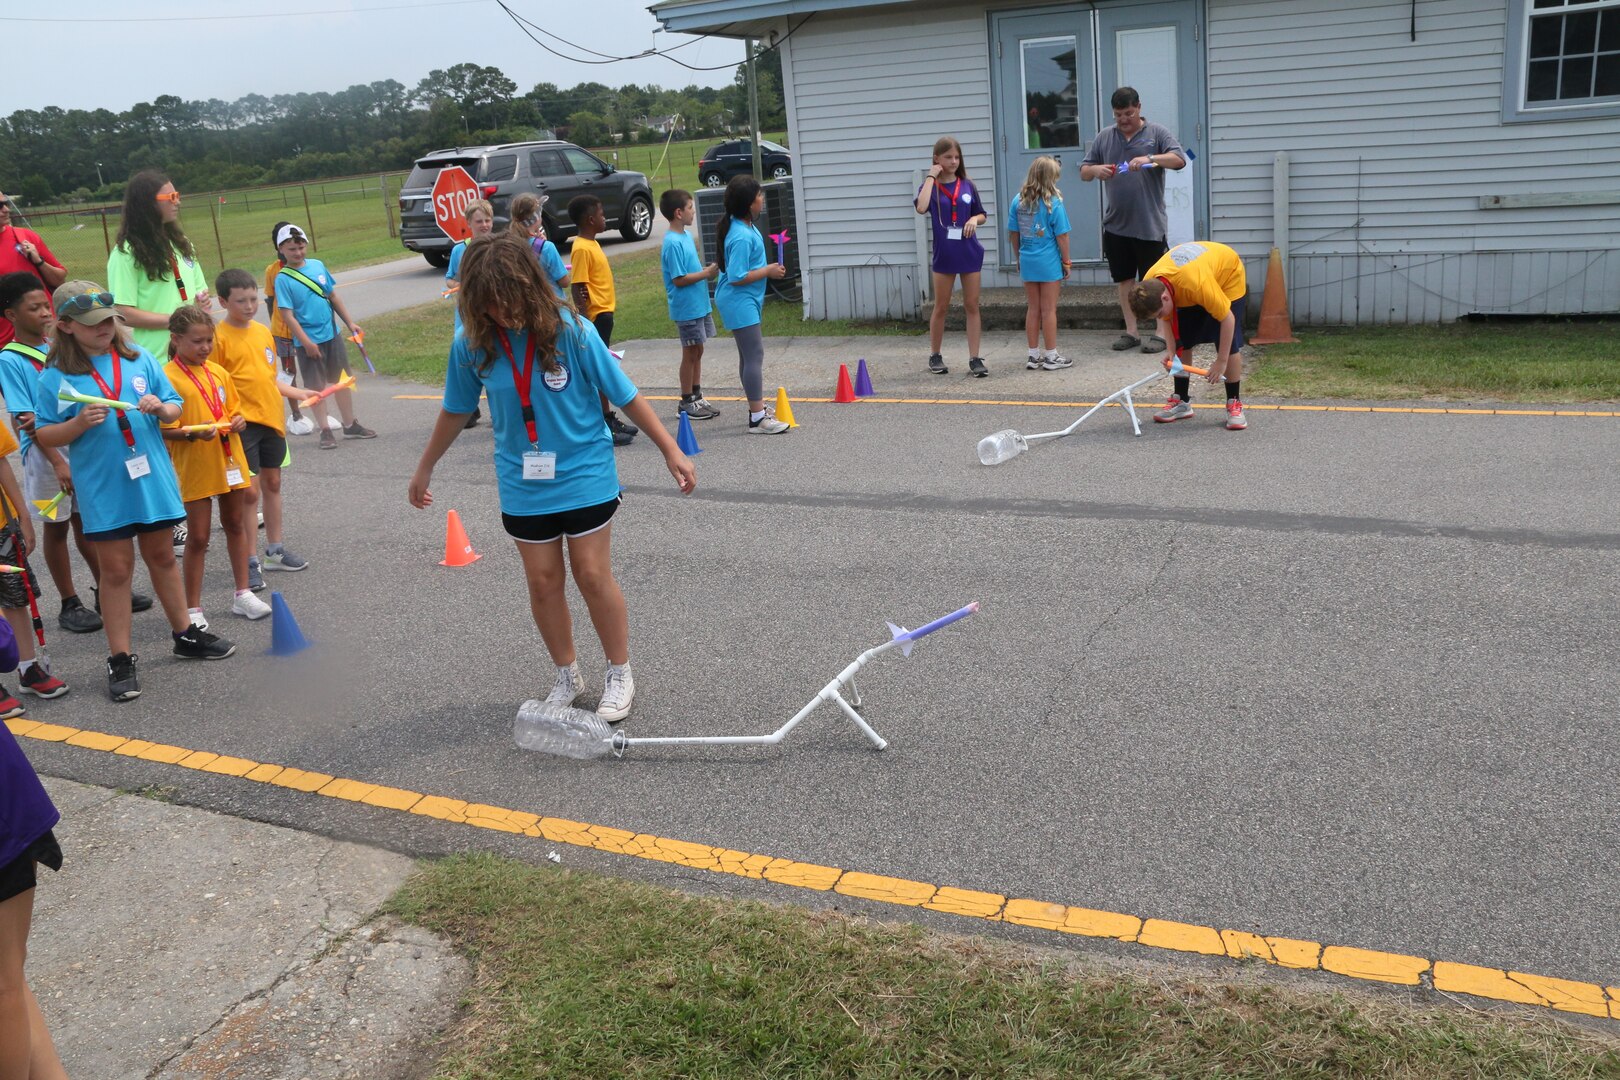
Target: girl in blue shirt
[
  {"x": 122, "y": 474},
  {"x": 541, "y": 367},
  {"x": 740, "y": 295},
  {"x": 1040, "y": 245}
]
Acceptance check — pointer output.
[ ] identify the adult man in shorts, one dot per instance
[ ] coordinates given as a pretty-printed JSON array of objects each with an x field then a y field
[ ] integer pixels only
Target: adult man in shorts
[{"x": 1134, "y": 220}]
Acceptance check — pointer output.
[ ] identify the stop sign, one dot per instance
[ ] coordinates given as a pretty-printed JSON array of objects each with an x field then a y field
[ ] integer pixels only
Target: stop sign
[{"x": 452, "y": 191}]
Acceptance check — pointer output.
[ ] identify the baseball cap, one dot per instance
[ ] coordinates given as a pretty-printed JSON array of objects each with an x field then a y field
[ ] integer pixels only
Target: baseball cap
[
  {"x": 289, "y": 232},
  {"x": 83, "y": 302}
]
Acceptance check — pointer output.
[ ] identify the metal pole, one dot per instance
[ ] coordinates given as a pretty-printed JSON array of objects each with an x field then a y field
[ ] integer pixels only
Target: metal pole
[
  {"x": 388, "y": 211},
  {"x": 753, "y": 110},
  {"x": 105, "y": 235},
  {"x": 213, "y": 211},
  {"x": 1279, "y": 205},
  {"x": 309, "y": 220}
]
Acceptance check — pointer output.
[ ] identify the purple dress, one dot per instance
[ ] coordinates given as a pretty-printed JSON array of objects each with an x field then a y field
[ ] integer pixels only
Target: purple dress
[
  {"x": 26, "y": 812},
  {"x": 960, "y": 201}
]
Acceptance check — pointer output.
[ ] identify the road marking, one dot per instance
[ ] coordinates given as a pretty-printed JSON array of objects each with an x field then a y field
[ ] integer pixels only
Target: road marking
[
  {"x": 1115, "y": 404},
  {"x": 1589, "y": 999}
]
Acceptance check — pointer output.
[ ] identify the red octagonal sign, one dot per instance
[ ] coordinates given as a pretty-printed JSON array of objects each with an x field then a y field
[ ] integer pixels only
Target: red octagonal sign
[{"x": 452, "y": 191}]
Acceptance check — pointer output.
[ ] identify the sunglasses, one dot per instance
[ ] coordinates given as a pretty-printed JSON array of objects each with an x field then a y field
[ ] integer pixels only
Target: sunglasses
[
  {"x": 173, "y": 196},
  {"x": 78, "y": 305}
]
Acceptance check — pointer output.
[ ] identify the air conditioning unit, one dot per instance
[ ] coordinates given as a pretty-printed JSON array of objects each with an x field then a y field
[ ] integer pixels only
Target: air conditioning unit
[{"x": 779, "y": 216}]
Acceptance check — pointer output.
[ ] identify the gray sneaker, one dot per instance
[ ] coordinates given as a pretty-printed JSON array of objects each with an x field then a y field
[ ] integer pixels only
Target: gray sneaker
[
  {"x": 1055, "y": 362},
  {"x": 699, "y": 409},
  {"x": 255, "y": 574},
  {"x": 767, "y": 425},
  {"x": 284, "y": 560},
  {"x": 568, "y": 686},
  {"x": 1174, "y": 409}
]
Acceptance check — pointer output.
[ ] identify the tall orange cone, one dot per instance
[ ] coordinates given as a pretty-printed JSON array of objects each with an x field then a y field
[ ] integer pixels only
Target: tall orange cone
[
  {"x": 1274, "y": 328},
  {"x": 846, "y": 389},
  {"x": 458, "y": 549},
  {"x": 784, "y": 407}
]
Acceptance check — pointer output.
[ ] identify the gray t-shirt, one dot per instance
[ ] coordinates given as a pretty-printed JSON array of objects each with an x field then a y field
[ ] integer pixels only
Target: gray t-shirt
[{"x": 1135, "y": 203}]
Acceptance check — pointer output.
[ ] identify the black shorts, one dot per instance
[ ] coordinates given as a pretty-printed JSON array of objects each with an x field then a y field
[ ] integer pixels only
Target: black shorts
[
  {"x": 264, "y": 447},
  {"x": 13, "y": 594},
  {"x": 18, "y": 875},
  {"x": 544, "y": 528},
  {"x": 604, "y": 326},
  {"x": 1130, "y": 259},
  {"x": 332, "y": 366},
  {"x": 1194, "y": 326},
  {"x": 127, "y": 532}
]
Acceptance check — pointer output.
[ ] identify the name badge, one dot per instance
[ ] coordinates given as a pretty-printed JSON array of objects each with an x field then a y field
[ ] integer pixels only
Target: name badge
[
  {"x": 953, "y": 234},
  {"x": 283, "y": 378},
  {"x": 137, "y": 466},
  {"x": 539, "y": 465},
  {"x": 233, "y": 476}
]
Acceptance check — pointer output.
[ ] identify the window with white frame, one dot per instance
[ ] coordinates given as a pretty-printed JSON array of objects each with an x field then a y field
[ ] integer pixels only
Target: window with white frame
[{"x": 1571, "y": 54}]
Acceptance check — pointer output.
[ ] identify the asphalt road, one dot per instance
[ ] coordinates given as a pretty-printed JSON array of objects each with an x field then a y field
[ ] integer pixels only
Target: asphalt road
[{"x": 1343, "y": 677}]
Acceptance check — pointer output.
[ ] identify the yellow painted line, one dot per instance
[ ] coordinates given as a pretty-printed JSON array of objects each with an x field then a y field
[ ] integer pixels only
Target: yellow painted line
[
  {"x": 1372, "y": 965},
  {"x": 1140, "y": 405}
]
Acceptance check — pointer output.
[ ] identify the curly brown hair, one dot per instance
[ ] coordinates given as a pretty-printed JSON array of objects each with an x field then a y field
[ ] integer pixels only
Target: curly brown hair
[
  {"x": 183, "y": 318},
  {"x": 142, "y": 231},
  {"x": 500, "y": 271},
  {"x": 1146, "y": 298}
]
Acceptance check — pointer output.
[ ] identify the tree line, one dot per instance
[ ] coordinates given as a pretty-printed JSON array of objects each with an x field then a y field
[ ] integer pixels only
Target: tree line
[{"x": 79, "y": 155}]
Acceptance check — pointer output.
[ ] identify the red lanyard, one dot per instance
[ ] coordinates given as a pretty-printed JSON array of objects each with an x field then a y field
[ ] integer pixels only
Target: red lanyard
[
  {"x": 951, "y": 195},
  {"x": 112, "y": 392},
  {"x": 215, "y": 397},
  {"x": 523, "y": 383},
  {"x": 178, "y": 283},
  {"x": 1175, "y": 324}
]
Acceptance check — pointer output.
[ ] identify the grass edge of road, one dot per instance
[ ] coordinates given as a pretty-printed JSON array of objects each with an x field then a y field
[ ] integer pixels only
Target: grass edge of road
[{"x": 578, "y": 973}]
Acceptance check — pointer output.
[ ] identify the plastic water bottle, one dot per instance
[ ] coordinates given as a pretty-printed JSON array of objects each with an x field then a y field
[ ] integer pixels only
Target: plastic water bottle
[
  {"x": 1002, "y": 446},
  {"x": 562, "y": 730}
]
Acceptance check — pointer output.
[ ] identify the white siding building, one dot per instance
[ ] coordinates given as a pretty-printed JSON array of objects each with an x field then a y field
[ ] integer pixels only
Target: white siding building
[{"x": 1417, "y": 160}]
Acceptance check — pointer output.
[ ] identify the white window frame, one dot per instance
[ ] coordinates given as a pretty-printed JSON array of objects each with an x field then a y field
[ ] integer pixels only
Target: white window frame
[{"x": 1516, "y": 73}]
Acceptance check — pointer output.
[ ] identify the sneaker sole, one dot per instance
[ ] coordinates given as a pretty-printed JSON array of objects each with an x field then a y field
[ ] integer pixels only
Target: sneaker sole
[
  {"x": 42, "y": 696},
  {"x": 274, "y": 569},
  {"x": 13, "y": 714},
  {"x": 1237, "y": 427},
  {"x": 221, "y": 656},
  {"x": 265, "y": 614},
  {"x": 939, "y": 371},
  {"x": 371, "y": 435},
  {"x": 76, "y": 630},
  {"x": 127, "y": 695},
  {"x": 1170, "y": 419},
  {"x": 615, "y": 717}
]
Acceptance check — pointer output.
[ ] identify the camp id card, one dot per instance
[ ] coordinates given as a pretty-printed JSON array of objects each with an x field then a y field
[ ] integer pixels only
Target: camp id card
[
  {"x": 953, "y": 233},
  {"x": 539, "y": 465},
  {"x": 233, "y": 476},
  {"x": 137, "y": 466}
]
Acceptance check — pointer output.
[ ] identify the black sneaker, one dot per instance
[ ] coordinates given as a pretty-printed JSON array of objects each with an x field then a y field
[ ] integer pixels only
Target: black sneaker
[
  {"x": 936, "y": 364},
  {"x": 122, "y": 682},
  {"x": 197, "y": 644},
  {"x": 76, "y": 618},
  {"x": 619, "y": 427},
  {"x": 137, "y": 602},
  {"x": 621, "y": 438},
  {"x": 357, "y": 430},
  {"x": 976, "y": 366},
  {"x": 472, "y": 421}
]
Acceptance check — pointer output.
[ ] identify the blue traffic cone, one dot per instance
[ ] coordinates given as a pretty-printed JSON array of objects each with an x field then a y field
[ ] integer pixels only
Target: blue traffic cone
[
  {"x": 685, "y": 439},
  {"x": 863, "y": 381},
  {"x": 285, "y": 637}
]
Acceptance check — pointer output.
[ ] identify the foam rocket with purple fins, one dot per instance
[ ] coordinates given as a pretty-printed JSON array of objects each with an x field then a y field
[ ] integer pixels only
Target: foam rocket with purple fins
[{"x": 908, "y": 638}]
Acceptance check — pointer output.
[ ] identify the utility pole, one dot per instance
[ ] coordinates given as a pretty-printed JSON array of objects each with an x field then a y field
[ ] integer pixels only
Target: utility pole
[{"x": 753, "y": 110}]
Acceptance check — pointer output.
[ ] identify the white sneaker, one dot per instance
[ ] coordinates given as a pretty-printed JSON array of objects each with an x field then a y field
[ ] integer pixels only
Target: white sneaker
[
  {"x": 617, "y": 693},
  {"x": 302, "y": 425},
  {"x": 249, "y": 606},
  {"x": 767, "y": 425},
  {"x": 1056, "y": 361},
  {"x": 1033, "y": 363},
  {"x": 568, "y": 686},
  {"x": 333, "y": 423},
  {"x": 198, "y": 619}
]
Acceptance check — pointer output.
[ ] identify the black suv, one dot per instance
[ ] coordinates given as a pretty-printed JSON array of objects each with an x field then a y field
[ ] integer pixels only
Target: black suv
[
  {"x": 736, "y": 158},
  {"x": 558, "y": 169}
]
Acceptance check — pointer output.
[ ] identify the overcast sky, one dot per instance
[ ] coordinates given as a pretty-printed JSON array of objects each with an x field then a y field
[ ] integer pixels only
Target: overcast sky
[{"x": 186, "y": 47}]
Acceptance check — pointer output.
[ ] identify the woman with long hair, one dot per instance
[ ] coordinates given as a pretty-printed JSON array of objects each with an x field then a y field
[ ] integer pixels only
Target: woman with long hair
[
  {"x": 153, "y": 268},
  {"x": 740, "y": 297}
]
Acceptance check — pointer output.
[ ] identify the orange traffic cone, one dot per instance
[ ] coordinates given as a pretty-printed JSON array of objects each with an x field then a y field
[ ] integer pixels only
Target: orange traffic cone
[
  {"x": 1274, "y": 328},
  {"x": 846, "y": 389},
  {"x": 458, "y": 549}
]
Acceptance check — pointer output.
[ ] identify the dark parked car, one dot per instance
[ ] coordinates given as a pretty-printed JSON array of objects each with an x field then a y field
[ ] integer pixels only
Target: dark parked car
[
  {"x": 736, "y": 158},
  {"x": 558, "y": 169}
]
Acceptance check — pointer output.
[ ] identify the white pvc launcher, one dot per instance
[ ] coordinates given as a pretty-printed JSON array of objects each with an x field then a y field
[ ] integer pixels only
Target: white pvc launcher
[
  {"x": 1008, "y": 444},
  {"x": 575, "y": 733}
]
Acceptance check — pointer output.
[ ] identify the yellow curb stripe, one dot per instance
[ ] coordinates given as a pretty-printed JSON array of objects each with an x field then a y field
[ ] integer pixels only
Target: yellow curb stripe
[
  {"x": 1589, "y": 999},
  {"x": 1406, "y": 409}
]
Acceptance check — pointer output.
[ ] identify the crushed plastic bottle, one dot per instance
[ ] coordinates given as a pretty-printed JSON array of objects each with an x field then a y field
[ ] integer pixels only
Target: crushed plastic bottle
[
  {"x": 562, "y": 730},
  {"x": 1002, "y": 446}
]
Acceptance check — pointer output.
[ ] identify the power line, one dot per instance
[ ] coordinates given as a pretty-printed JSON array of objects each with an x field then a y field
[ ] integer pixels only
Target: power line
[
  {"x": 84, "y": 21},
  {"x": 525, "y": 25}
]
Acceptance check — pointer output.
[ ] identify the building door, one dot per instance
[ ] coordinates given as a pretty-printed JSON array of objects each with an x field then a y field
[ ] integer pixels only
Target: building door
[{"x": 1046, "y": 103}]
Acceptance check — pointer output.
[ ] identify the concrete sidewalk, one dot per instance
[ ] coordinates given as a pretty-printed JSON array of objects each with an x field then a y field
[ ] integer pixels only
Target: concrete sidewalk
[{"x": 179, "y": 943}]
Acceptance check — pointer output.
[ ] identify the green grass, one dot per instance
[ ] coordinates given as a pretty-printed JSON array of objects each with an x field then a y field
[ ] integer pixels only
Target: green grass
[
  {"x": 414, "y": 342},
  {"x": 1520, "y": 362},
  {"x": 678, "y": 168},
  {"x": 580, "y": 975},
  {"x": 346, "y": 218}
]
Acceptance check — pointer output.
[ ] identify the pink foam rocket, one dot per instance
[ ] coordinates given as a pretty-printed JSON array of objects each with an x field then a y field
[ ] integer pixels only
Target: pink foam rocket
[{"x": 781, "y": 239}]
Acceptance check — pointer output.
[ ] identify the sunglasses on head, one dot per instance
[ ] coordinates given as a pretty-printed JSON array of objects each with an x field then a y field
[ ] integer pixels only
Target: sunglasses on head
[
  {"x": 173, "y": 196},
  {"x": 78, "y": 305}
]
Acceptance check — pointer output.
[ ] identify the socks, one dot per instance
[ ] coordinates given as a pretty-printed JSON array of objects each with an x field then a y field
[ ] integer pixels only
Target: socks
[
  {"x": 1183, "y": 386},
  {"x": 272, "y": 549},
  {"x": 756, "y": 417},
  {"x": 1232, "y": 390},
  {"x": 243, "y": 592},
  {"x": 22, "y": 668},
  {"x": 697, "y": 391},
  {"x": 1034, "y": 354},
  {"x": 688, "y": 398}
]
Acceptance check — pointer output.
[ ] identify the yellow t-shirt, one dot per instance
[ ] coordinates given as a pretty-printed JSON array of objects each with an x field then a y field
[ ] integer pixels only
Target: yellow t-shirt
[
  {"x": 8, "y": 446},
  {"x": 248, "y": 355},
  {"x": 591, "y": 270},
  {"x": 278, "y": 326},
  {"x": 1203, "y": 274},
  {"x": 200, "y": 465}
]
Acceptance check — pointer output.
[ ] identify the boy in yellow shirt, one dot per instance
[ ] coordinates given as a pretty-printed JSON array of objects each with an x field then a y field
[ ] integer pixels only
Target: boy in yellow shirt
[
  {"x": 1202, "y": 291},
  {"x": 209, "y": 461},
  {"x": 246, "y": 350},
  {"x": 594, "y": 295}
]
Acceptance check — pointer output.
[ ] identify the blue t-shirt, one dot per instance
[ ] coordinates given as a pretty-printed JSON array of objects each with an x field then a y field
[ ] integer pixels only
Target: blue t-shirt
[
  {"x": 452, "y": 274},
  {"x": 18, "y": 379},
  {"x": 1038, "y": 230},
  {"x": 567, "y": 412},
  {"x": 679, "y": 257},
  {"x": 741, "y": 305},
  {"x": 107, "y": 497},
  {"x": 313, "y": 313},
  {"x": 552, "y": 264}
]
